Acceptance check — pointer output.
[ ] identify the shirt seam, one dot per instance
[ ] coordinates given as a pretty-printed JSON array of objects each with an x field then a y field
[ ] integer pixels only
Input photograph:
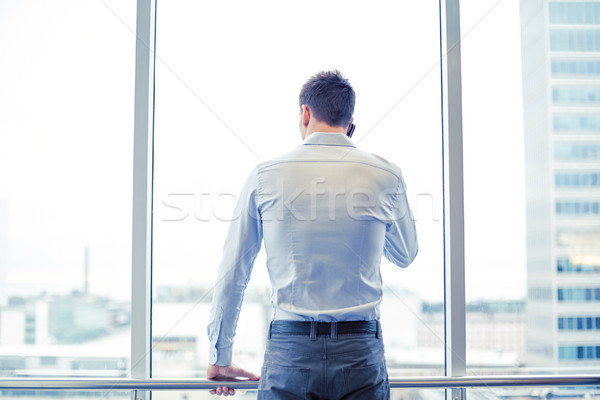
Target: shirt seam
[
  {"x": 328, "y": 144},
  {"x": 360, "y": 260},
  {"x": 273, "y": 163},
  {"x": 292, "y": 260},
  {"x": 258, "y": 194},
  {"x": 395, "y": 205}
]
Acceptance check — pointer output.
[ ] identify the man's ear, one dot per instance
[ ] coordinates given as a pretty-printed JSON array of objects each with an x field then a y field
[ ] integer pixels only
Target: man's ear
[{"x": 305, "y": 115}]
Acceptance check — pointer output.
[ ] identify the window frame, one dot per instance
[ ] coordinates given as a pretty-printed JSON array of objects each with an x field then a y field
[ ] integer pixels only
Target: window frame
[{"x": 453, "y": 224}]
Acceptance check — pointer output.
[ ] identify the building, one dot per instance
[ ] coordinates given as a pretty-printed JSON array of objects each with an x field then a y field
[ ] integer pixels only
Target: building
[
  {"x": 25, "y": 322},
  {"x": 179, "y": 341},
  {"x": 495, "y": 333},
  {"x": 561, "y": 100},
  {"x": 61, "y": 319}
]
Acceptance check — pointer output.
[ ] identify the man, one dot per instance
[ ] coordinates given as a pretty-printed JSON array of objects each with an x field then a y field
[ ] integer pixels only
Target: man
[{"x": 327, "y": 212}]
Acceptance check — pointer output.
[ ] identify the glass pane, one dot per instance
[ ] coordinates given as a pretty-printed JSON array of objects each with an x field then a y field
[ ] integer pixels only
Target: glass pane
[
  {"x": 199, "y": 395},
  {"x": 227, "y": 85},
  {"x": 67, "y": 75},
  {"x": 561, "y": 392},
  {"x": 63, "y": 395},
  {"x": 532, "y": 140},
  {"x": 396, "y": 394}
]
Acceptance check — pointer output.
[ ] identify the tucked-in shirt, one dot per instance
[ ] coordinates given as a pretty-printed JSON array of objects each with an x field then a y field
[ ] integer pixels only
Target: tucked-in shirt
[{"x": 326, "y": 211}]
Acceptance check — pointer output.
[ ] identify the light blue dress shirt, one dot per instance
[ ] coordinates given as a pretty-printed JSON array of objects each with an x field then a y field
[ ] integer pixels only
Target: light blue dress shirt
[{"x": 326, "y": 211}]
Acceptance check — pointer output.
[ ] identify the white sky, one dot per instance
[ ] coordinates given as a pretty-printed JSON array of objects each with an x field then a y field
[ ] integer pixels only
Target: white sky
[{"x": 228, "y": 77}]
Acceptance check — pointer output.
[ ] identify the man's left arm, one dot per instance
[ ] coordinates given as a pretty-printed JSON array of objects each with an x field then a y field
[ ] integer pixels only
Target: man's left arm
[{"x": 242, "y": 244}]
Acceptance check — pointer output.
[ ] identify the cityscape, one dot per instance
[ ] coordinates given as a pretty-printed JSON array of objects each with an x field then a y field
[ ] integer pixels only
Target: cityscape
[{"x": 35, "y": 342}]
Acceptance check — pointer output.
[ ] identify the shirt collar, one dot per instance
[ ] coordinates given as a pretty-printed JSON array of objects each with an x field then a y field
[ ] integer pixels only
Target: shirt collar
[{"x": 328, "y": 139}]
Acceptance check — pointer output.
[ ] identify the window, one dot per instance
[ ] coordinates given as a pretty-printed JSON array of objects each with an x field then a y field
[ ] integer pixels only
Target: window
[
  {"x": 574, "y": 40},
  {"x": 579, "y": 13},
  {"x": 578, "y": 352},
  {"x": 576, "y": 179},
  {"x": 574, "y": 68},
  {"x": 212, "y": 60},
  {"x": 580, "y": 237},
  {"x": 581, "y": 323},
  {"x": 565, "y": 123},
  {"x": 66, "y": 146},
  {"x": 577, "y": 264},
  {"x": 577, "y": 295},
  {"x": 577, "y": 208},
  {"x": 564, "y": 151},
  {"x": 210, "y": 132},
  {"x": 575, "y": 95}
]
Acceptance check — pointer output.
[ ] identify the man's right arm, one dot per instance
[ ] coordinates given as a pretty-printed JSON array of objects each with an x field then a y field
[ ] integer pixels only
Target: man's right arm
[
  {"x": 401, "y": 245},
  {"x": 242, "y": 244}
]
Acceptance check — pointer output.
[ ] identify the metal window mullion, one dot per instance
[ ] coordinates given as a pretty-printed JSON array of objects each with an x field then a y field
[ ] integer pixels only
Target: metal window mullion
[
  {"x": 454, "y": 248},
  {"x": 141, "y": 272}
]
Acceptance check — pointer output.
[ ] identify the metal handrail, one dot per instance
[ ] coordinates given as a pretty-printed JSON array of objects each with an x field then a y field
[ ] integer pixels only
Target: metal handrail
[{"x": 205, "y": 384}]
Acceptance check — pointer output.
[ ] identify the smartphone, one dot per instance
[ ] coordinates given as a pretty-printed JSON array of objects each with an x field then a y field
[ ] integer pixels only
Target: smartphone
[{"x": 350, "y": 130}]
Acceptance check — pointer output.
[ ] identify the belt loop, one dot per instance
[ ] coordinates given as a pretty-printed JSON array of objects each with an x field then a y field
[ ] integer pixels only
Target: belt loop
[
  {"x": 313, "y": 330},
  {"x": 334, "y": 332},
  {"x": 270, "y": 327},
  {"x": 378, "y": 332}
]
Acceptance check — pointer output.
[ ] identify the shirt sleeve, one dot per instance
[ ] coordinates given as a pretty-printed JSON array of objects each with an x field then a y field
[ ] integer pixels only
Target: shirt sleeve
[
  {"x": 401, "y": 245},
  {"x": 242, "y": 244}
]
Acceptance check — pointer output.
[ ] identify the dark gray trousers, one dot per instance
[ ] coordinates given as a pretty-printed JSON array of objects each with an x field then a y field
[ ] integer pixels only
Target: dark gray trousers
[{"x": 345, "y": 367}]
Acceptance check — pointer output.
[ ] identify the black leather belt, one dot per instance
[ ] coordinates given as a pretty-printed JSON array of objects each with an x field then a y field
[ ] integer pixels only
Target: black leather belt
[{"x": 317, "y": 328}]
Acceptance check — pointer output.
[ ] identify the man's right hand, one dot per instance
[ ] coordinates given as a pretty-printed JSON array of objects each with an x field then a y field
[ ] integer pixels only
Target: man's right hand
[{"x": 219, "y": 372}]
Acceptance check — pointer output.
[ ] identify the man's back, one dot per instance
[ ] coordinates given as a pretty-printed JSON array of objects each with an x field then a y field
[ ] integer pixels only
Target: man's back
[{"x": 325, "y": 209}]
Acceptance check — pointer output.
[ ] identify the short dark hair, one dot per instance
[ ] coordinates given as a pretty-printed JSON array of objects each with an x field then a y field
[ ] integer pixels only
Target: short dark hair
[{"x": 330, "y": 97}]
